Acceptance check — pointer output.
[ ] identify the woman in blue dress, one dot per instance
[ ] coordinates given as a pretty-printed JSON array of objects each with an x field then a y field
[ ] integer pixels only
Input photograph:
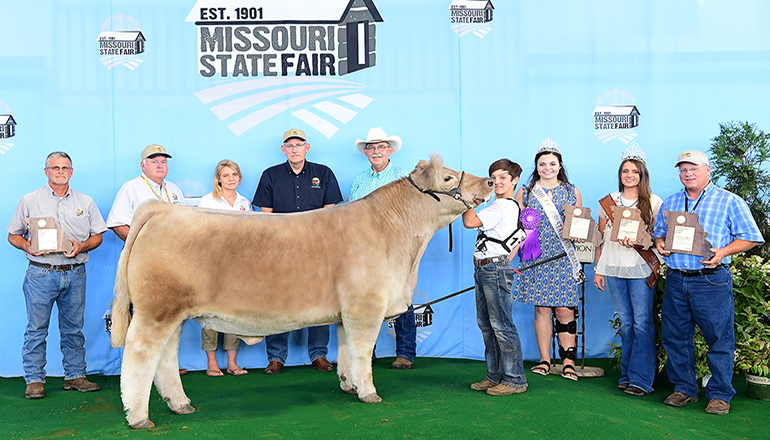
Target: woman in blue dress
[{"x": 552, "y": 286}]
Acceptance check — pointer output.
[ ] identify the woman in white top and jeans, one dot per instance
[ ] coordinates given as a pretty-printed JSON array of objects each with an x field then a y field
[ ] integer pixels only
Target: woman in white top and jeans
[{"x": 620, "y": 268}]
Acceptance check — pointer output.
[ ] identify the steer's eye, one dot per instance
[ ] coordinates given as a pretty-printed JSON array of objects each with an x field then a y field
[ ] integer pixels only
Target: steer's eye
[{"x": 447, "y": 179}]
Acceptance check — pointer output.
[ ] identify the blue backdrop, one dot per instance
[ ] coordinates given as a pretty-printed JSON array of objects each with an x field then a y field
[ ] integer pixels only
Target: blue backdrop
[{"x": 472, "y": 80}]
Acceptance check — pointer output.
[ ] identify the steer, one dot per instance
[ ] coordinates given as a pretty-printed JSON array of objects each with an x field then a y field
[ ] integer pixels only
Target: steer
[{"x": 175, "y": 258}]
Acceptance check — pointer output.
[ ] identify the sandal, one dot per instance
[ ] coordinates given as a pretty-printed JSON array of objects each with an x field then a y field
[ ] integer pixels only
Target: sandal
[
  {"x": 237, "y": 371},
  {"x": 211, "y": 372},
  {"x": 571, "y": 375},
  {"x": 543, "y": 368}
]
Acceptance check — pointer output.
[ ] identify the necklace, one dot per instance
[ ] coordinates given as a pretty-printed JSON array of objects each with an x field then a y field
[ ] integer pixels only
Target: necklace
[{"x": 629, "y": 206}]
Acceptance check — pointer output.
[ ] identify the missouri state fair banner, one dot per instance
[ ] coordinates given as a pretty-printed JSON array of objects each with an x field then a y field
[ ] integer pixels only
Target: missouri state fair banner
[{"x": 473, "y": 80}]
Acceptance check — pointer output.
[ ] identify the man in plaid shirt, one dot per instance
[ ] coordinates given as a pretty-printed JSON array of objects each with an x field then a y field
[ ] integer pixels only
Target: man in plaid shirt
[{"x": 698, "y": 290}]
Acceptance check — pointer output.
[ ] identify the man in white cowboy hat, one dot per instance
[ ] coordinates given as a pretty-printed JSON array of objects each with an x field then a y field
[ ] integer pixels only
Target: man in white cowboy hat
[{"x": 378, "y": 147}]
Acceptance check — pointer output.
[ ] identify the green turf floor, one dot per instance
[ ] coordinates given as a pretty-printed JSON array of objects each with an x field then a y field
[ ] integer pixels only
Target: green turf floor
[{"x": 431, "y": 401}]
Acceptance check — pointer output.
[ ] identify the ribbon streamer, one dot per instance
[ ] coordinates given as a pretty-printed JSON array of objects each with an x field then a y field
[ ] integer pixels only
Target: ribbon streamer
[{"x": 530, "y": 220}]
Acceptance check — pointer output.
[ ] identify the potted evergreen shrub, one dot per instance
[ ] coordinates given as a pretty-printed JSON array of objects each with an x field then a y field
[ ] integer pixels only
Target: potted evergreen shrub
[
  {"x": 738, "y": 161},
  {"x": 751, "y": 284}
]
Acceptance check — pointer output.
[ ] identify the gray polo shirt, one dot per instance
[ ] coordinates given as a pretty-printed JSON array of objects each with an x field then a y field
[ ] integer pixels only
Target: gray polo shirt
[{"x": 75, "y": 213}]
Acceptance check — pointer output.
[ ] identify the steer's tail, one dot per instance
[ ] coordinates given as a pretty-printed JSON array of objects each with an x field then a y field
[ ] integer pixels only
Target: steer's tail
[{"x": 121, "y": 301}]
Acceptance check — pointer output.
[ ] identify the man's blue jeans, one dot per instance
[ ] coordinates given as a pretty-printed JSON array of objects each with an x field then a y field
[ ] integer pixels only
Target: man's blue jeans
[
  {"x": 494, "y": 310},
  {"x": 42, "y": 288},
  {"x": 633, "y": 302},
  {"x": 706, "y": 300},
  {"x": 406, "y": 335},
  {"x": 317, "y": 344}
]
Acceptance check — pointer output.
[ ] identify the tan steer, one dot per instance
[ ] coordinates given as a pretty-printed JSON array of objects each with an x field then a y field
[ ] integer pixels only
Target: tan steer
[{"x": 175, "y": 258}]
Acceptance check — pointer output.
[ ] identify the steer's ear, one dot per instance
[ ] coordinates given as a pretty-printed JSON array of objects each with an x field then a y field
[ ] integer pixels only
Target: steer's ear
[{"x": 426, "y": 175}]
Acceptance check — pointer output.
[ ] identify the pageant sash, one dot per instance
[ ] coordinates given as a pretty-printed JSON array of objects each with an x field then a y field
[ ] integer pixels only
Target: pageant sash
[
  {"x": 648, "y": 255},
  {"x": 558, "y": 225}
]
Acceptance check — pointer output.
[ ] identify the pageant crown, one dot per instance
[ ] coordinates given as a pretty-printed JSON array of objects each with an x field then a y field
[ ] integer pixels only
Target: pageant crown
[
  {"x": 548, "y": 145},
  {"x": 634, "y": 151}
]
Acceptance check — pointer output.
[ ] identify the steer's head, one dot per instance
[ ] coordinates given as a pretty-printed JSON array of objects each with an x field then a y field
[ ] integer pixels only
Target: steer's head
[{"x": 434, "y": 177}]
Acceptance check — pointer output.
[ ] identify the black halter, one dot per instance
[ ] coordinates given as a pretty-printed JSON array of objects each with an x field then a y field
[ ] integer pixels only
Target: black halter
[{"x": 455, "y": 193}]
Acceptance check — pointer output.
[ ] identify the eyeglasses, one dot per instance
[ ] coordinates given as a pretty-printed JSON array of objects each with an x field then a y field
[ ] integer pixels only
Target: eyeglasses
[
  {"x": 293, "y": 146},
  {"x": 689, "y": 170},
  {"x": 57, "y": 169},
  {"x": 377, "y": 148}
]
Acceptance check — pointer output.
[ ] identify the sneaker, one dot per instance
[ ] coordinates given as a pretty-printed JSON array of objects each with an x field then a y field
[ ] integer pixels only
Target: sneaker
[
  {"x": 81, "y": 384},
  {"x": 35, "y": 390},
  {"x": 483, "y": 385},
  {"x": 718, "y": 406},
  {"x": 401, "y": 364},
  {"x": 623, "y": 386},
  {"x": 503, "y": 389},
  {"x": 679, "y": 399}
]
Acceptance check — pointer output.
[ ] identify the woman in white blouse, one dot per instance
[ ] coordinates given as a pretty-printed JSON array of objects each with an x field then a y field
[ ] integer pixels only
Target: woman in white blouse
[
  {"x": 227, "y": 177},
  {"x": 624, "y": 271}
]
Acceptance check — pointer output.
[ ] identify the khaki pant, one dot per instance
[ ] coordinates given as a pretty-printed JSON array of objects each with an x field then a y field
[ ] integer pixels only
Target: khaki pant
[{"x": 209, "y": 340}]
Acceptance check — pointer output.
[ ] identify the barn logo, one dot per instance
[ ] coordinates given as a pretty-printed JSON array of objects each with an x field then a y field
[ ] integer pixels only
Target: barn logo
[
  {"x": 7, "y": 127},
  {"x": 121, "y": 41},
  {"x": 471, "y": 16},
  {"x": 266, "y": 58},
  {"x": 422, "y": 317},
  {"x": 616, "y": 116}
]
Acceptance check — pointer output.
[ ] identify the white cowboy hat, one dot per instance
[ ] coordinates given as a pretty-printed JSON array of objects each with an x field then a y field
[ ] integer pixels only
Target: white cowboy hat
[{"x": 378, "y": 135}]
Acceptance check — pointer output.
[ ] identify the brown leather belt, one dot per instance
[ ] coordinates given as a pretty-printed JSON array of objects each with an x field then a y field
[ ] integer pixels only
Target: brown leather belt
[
  {"x": 483, "y": 261},
  {"x": 61, "y": 268},
  {"x": 700, "y": 272}
]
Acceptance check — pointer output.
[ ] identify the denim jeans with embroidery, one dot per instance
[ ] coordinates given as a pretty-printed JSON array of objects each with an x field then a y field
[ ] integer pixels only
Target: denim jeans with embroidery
[{"x": 633, "y": 302}]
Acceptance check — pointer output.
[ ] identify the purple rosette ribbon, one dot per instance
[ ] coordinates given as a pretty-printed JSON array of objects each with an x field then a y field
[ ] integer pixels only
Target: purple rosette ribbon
[{"x": 530, "y": 220}]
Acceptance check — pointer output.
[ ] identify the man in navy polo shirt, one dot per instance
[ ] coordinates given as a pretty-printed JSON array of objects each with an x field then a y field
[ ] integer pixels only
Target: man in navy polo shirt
[{"x": 295, "y": 186}]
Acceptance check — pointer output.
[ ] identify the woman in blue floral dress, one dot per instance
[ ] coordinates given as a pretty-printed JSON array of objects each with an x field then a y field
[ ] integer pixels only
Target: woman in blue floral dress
[{"x": 551, "y": 286}]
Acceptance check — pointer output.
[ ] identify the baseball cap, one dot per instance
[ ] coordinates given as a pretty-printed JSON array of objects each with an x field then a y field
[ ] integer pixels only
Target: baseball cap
[
  {"x": 294, "y": 133},
  {"x": 154, "y": 150},
  {"x": 692, "y": 156}
]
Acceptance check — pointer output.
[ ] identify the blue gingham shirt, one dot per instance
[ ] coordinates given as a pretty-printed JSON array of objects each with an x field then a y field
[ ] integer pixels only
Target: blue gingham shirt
[
  {"x": 722, "y": 214},
  {"x": 370, "y": 180}
]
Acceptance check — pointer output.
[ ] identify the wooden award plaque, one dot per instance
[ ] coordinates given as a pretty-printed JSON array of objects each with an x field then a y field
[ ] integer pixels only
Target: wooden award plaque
[
  {"x": 685, "y": 234},
  {"x": 579, "y": 225},
  {"x": 47, "y": 237},
  {"x": 628, "y": 223}
]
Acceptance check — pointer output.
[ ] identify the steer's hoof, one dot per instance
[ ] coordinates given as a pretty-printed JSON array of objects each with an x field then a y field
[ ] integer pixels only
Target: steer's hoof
[
  {"x": 186, "y": 409},
  {"x": 371, "y": 398},
  {"x": 144, "y": 424}
]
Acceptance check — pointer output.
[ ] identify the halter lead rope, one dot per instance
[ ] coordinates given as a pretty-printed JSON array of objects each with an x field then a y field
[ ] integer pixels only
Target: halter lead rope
[{"x": 455, "y": 193}]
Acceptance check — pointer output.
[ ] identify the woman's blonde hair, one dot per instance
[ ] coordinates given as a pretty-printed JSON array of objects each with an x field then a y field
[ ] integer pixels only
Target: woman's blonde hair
[{"x": 217, "y": 193}]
